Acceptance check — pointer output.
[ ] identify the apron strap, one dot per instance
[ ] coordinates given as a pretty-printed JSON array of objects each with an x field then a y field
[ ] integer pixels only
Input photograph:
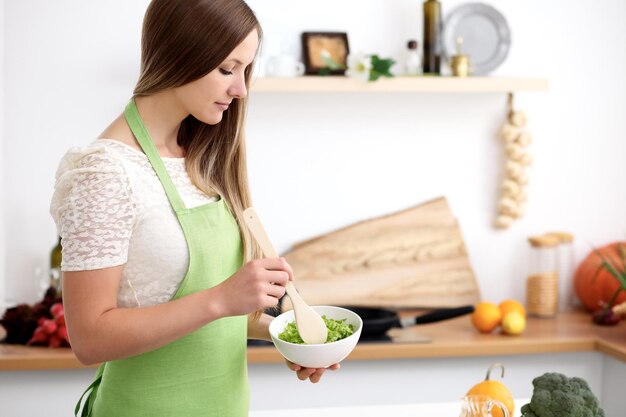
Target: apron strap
[
  {"x": 145, "y": 141},
  {"x": 90, "y": 392}
]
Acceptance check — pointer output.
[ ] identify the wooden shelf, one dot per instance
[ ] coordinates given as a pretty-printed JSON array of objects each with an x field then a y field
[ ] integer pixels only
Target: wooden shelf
[{"x": 418, "y": 84}]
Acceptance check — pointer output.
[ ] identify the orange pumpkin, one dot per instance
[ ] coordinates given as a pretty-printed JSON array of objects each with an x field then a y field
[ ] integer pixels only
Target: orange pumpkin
[
  {"x": 593, "y": 283},
  {"x": 495, "y": 390}
]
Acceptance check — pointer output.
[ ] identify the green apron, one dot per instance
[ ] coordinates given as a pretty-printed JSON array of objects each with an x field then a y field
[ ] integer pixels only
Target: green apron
[{"x": 205, "y": 372}]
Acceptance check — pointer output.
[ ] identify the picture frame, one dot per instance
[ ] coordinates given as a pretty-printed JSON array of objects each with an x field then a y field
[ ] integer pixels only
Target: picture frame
[{"x": 335, "y": 43}]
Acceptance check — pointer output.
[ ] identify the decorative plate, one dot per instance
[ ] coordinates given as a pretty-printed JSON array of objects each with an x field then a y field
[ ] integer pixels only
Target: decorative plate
[{"x": 485, "y": 32}]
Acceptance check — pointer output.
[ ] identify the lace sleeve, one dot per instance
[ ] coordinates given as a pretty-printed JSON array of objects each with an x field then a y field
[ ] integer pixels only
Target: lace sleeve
[{"x": 93, "y": 209}]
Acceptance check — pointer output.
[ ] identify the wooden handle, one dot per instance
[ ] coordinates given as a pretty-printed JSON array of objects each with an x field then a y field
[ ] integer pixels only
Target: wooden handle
[{"x": 259, "y": 233}]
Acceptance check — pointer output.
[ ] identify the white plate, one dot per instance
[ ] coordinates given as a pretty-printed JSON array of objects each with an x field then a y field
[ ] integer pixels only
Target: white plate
[{"x": 485, "y": 32}]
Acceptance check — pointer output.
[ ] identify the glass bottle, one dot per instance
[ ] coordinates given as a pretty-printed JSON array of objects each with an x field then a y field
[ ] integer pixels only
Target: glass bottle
[
  {"x": 432, "y": 37},
  {"x": 412, "y": 64},
  {"x": 567, "y": 297},
  {"x": 55, "y": 267},
  {"x": 542, "y": 284}
]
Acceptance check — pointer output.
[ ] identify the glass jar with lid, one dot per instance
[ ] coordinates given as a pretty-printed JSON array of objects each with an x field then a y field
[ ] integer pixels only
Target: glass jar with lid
[
  {"x": 542, "y": 283},
  {"x": 566, "y": 263}
]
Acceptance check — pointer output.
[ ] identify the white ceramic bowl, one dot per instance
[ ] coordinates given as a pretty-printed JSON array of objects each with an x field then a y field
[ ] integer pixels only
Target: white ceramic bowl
[{"x": 321, "y": 355}]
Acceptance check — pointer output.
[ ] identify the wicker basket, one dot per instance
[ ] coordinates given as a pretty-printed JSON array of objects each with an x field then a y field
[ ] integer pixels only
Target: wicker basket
[{"x": 542, "y": 294}]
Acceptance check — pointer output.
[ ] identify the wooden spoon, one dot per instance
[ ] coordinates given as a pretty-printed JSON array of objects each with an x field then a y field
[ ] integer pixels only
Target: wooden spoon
[{"x": 310, "y": 324}]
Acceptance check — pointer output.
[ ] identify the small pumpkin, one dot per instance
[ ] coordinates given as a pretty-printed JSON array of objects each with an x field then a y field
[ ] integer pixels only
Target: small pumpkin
[
  {"x": 495, "y": 390},
  {"x": 594, "y": 284}
]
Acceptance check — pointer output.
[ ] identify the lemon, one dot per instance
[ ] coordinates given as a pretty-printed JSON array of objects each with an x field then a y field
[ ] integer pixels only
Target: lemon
[{"x": 513, "y": 323}]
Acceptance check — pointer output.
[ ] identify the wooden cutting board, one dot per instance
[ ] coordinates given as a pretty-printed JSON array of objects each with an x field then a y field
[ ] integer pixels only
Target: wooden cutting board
[{"x": 413, "y": 258}]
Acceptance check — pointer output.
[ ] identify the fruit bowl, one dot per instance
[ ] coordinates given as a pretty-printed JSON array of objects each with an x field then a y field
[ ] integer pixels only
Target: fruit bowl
[{"x": 319, "y": 355}]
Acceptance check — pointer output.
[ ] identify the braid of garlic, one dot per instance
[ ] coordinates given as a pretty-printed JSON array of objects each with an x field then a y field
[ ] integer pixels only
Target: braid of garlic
[{"x": 513, "y": 193}]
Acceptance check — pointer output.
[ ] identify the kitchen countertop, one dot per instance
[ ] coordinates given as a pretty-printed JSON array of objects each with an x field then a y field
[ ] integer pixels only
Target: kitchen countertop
[{"x": 568, "y": 332}]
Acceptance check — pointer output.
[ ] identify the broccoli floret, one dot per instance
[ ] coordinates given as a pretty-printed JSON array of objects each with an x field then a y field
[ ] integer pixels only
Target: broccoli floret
[{"x": 556, "y": 395}]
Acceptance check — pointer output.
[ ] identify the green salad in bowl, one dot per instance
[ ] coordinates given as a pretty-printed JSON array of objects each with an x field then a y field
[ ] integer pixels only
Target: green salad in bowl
[
  {"x": 344, "y": 329},
  {"x": 337, "y": 330}
]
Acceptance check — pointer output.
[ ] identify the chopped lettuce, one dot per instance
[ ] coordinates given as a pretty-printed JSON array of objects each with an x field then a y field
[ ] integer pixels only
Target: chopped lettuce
[{"x": 337, "y": 330}]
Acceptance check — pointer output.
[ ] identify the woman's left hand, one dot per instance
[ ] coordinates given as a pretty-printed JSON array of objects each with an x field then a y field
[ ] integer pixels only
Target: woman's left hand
[{"x": 313, "y": 374}]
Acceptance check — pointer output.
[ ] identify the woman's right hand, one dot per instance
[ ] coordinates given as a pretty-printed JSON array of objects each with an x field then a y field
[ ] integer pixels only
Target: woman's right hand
[{"x": 257, "y": 285}]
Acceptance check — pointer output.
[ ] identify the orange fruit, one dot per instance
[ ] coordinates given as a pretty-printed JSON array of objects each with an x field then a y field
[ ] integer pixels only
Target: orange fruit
[
  {"x": 495, "y": 390},
  {"x": 509, "y": 306},
  {"x": 486, "y": 317}
]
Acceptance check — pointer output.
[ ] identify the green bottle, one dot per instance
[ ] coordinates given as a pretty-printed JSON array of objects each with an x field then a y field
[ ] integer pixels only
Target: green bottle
[
  {"x": 432, "y": 38},
  {"x": 55, "y": 267}
]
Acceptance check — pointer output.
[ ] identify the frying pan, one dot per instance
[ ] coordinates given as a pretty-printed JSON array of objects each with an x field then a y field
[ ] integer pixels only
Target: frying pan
[{"x": 377, "y": 321}]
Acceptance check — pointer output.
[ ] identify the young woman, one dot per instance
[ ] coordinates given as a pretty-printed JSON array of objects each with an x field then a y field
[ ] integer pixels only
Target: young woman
[{"x": 161, "y": 280}]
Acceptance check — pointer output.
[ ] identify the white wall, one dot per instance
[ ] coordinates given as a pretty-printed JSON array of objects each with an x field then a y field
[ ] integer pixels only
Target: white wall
[
  {"x": 319, "y": 162},
  {"x": 2, "y": 234}
]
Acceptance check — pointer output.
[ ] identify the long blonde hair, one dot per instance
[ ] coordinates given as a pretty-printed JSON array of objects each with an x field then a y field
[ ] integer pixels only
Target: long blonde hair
[{"x": 183, "y": 41}]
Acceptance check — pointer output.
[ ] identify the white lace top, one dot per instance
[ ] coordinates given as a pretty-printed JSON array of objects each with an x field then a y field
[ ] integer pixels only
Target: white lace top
[{"x": 110, "y": 209}]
